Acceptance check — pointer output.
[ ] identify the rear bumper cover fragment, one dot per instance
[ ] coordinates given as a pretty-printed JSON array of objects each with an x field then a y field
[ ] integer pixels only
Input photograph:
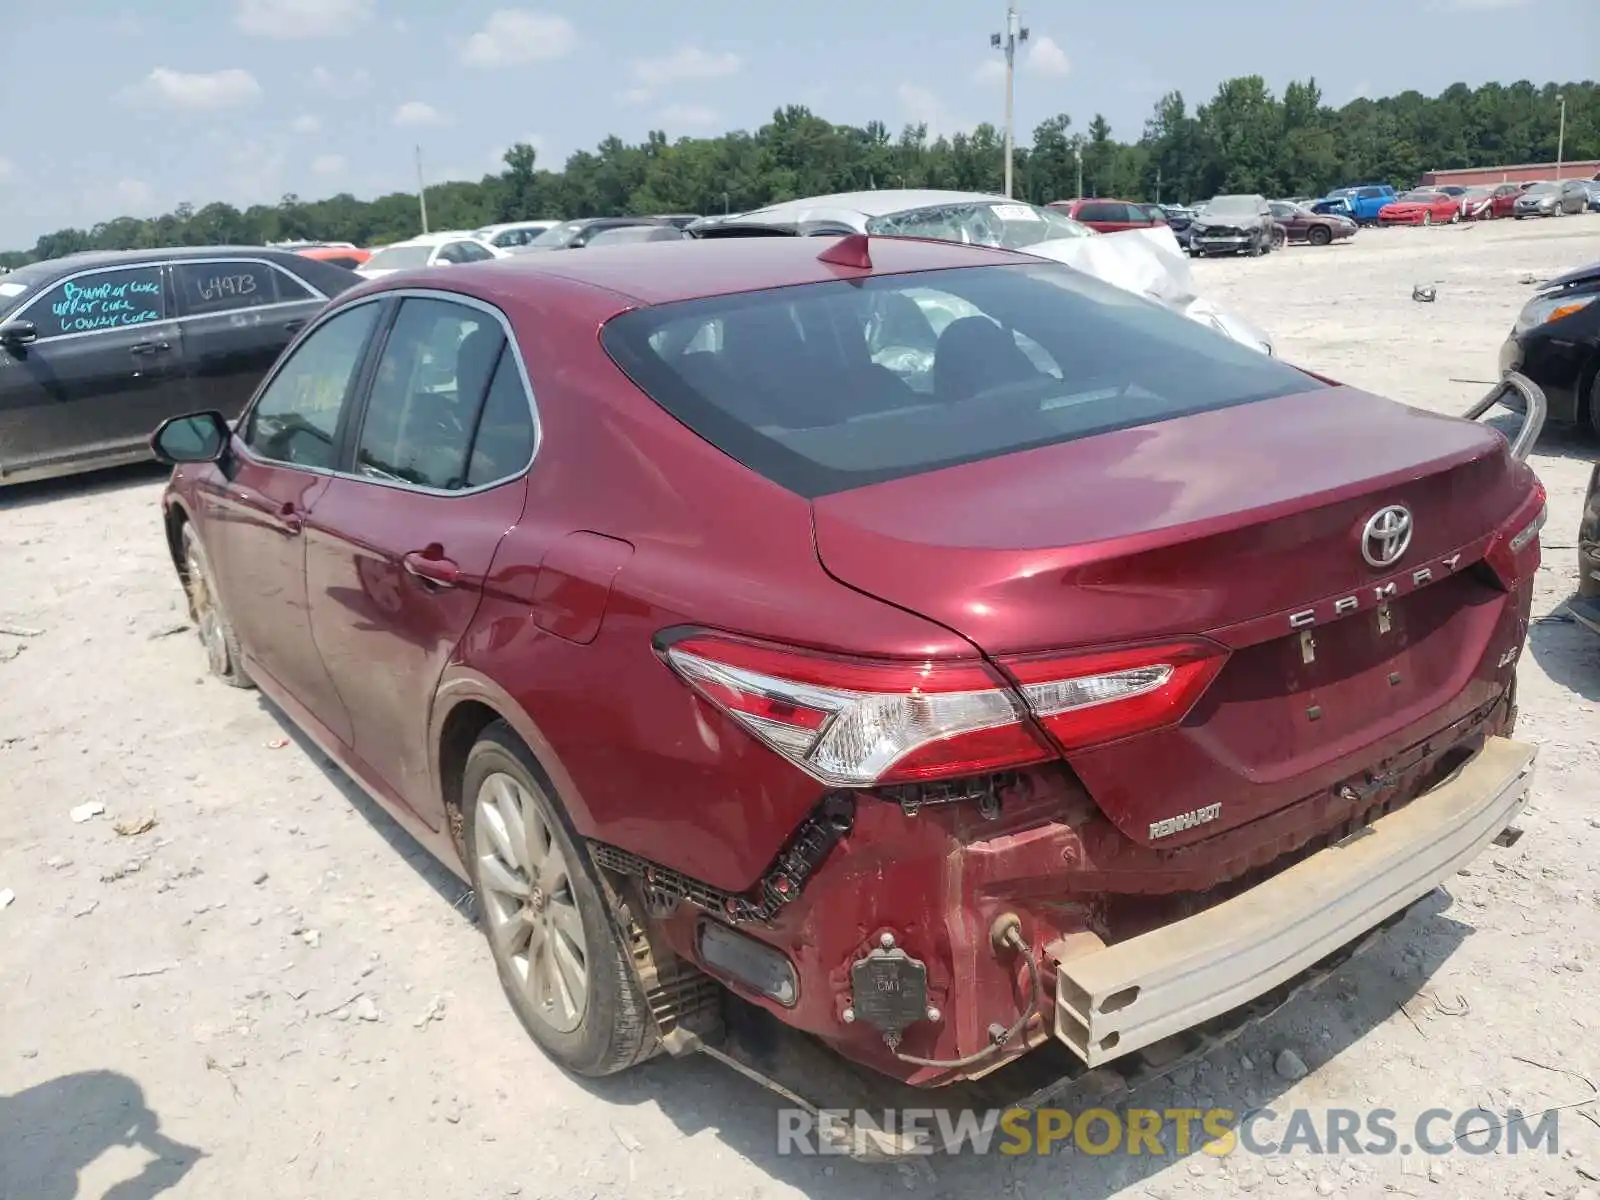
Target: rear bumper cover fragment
[{"x": 1121, "y": 998}]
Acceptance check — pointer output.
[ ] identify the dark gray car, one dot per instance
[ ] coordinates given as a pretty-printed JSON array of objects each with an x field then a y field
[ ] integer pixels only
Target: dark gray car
[
  {"x": 97, "y": 349},
  {"x": 1232, "y": 225}
]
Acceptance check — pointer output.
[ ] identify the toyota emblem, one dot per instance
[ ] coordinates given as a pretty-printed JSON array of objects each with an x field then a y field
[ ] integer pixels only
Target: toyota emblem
[{"x": 1386, "y": 536}]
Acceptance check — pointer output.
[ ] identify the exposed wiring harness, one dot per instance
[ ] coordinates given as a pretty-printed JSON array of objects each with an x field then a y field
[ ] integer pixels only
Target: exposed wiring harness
[{"x": 1006, "y": 931}]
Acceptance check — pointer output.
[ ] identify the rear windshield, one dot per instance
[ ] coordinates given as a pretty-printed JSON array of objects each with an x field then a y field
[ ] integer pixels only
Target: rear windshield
[
  {"x": 830, "y": 386},
  {"x": 400, "y": 258}
]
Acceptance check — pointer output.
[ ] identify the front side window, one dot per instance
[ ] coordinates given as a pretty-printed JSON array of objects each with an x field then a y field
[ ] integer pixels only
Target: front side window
[
  {"x": 296, "y": 419},
  {"x": 421, "y": 418},
  {"x": 827, "y": 386},
  {"x": 473, "y": 252},
  {"x": 99, "y": 300}
]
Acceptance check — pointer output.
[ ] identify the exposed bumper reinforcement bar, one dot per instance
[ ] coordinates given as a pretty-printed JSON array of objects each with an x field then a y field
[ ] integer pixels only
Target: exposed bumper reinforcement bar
[{"x": 1124, "y": 997}]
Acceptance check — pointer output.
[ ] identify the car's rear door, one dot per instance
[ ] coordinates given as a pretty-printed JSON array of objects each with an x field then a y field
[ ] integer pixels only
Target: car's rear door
[
  {"x": 254, "y": 518},
  {"x": 402, "y": 542},
  {"x": 102, "y": 372},
  {"x": 238, "y": 315}
]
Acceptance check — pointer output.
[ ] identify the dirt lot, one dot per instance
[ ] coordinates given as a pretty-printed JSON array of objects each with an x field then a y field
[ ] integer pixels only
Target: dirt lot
[{"x": 271, "y": 993}]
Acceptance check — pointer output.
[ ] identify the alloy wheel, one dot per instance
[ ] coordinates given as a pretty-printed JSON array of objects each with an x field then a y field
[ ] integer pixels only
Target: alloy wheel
[
  {"x": 203, "y": 608},
  {"x": 535, "y": 927}
]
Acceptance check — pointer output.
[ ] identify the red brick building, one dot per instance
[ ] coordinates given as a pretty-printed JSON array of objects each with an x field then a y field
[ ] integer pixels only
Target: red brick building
[{"x": 1520, "y": 173}]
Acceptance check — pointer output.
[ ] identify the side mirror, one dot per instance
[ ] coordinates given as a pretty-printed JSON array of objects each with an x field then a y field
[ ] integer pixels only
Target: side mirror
[
  {"x": 198, "y": 437},
  {"x": 18, "y": 333}
]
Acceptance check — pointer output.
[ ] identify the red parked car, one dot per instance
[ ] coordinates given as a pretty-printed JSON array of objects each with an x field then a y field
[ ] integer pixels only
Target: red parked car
[
  {"x": 1421, "y": 207},
  {"x": 924, "y": 644},
  {"x": 1111, "y": 216}
]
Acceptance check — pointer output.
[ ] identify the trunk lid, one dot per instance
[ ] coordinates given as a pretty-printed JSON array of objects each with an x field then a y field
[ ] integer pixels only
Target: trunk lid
[{"x": 1244, "y": 525}]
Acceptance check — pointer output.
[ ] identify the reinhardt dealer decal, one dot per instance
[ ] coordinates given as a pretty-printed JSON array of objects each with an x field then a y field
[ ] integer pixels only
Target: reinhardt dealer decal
[{"x": 1168, "y": 826}]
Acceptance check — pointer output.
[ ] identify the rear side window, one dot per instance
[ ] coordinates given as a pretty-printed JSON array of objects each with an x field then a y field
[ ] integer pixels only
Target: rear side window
[
  {"x": 435, "y": 399},
  {"x": 208, "y": 287},
  {"x": 835, "y": 385},
  {"x": 100, "y": 300}
]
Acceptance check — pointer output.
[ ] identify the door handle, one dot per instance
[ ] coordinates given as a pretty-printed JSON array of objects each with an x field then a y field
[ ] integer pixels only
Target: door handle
[
  {"x": 149, "y": 347},
  {"x": 436, "y": 570},
  {"x": 294, "y": 326}
]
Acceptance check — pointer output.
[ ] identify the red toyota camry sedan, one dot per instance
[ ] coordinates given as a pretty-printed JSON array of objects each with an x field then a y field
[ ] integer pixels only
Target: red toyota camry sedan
[{"x": 929, "y": 646}]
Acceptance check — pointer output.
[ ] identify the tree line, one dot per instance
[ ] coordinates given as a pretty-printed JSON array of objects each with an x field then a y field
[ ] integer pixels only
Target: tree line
[{"x": 1244, "y": 139}]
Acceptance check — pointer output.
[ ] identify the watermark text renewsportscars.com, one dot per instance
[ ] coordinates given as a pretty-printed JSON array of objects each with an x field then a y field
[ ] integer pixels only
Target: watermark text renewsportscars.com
[{"x": 1158, "y": 1132}]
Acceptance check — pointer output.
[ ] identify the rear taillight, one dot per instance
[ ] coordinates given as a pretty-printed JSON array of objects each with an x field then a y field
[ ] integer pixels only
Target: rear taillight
[
  {"x": 860, "y": 722},
  {"x": 1084, "y": 700},
  {"x": 1514, "y": 553}
]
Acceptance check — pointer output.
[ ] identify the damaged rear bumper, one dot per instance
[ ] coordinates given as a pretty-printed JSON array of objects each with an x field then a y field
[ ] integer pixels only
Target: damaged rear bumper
[{"x": 1117, "y": 999}]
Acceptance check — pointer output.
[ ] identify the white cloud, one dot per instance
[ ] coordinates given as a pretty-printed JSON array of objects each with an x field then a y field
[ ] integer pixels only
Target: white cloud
[
  {"x": 132, "y": 194},
  {"x": 685, "y": 65},
  {"x": 305, "y": 123},
  {"x": 328, "y": 164},
  {"x": 7, "y": 169},
  {"x": 517, "y": 35},
  {"x": 201, "y": 91},
  {"x": 1045, "y": 57},
  {"x": 298, "y": 20},
  {"x": 681, "y": 116},
  {"x": 1362, "y": 91},
  {"x": 634, "y": 96},
  {"x": 335, "y": 83},
  {"x": 416, "y": 114}
]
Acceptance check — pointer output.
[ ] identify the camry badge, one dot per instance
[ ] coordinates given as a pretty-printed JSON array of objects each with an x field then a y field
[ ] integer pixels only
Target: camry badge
[{"x": 1386, "y": 535}]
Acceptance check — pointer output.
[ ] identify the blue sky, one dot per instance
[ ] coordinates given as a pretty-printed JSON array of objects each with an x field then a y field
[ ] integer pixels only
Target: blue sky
[{"x": 115, "y": 108}]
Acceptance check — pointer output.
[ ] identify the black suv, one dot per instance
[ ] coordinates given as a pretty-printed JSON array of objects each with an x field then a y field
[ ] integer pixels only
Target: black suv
[{"x": 97, "y": 349}]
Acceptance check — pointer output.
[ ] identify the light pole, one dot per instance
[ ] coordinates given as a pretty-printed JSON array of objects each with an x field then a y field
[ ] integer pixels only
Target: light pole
[
  {"x": 422, "y": 192},
  {"x": 1561, "y": 133},
  {"x": 1077, "y": 153},
  {"x": 1008, "y": 41}
]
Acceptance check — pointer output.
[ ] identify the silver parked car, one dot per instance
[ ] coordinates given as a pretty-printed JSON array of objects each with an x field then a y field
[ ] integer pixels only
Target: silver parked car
[{"x": 1552, "y": 198}]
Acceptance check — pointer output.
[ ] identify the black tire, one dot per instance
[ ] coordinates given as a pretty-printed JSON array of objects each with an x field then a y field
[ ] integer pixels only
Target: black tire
[
  {"x": 1319, "y": 235},
  {"x": 1589, "y": 419},
  {"x": 221, "y": 644},
  {"x": 615, "y": 1031}
]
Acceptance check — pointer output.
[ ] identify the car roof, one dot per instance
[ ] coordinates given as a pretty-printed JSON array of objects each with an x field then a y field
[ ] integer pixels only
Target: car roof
[
  {"x": 665, "y": 272},
  {"x": 50, "y": 270}
]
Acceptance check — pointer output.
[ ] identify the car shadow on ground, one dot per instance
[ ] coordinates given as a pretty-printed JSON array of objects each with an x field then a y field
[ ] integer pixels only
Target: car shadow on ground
[
  {"x": 1568, "y": 652},
  {"x": 1555, "y": 441},
  {"x": 51, "y": 1132},
  {"x": 439, "y": 877},
  {"x": 19, "y": 496},
  {"x": 698, "y": 1094}
]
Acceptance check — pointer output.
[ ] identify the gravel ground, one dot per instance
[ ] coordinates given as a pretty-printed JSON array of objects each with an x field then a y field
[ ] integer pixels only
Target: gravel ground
[{"x": 270, "y": 992}]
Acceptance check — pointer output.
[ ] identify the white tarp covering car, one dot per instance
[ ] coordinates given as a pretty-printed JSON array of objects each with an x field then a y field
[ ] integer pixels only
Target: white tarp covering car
[{"x": 1148, "y": 262}]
